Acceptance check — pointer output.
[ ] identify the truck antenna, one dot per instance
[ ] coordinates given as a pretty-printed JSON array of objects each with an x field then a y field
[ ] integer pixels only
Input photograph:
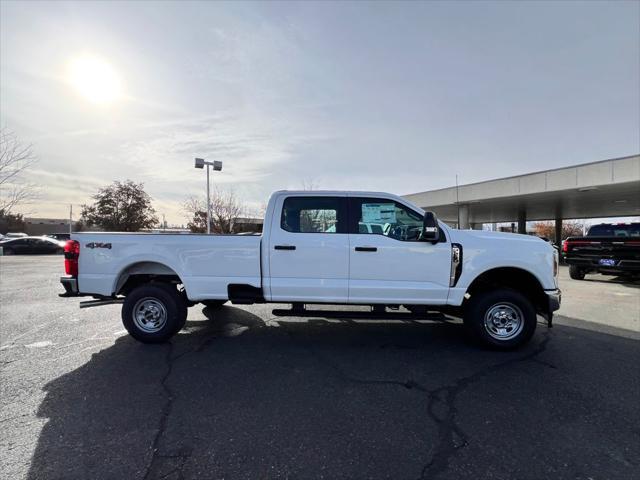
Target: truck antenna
[{"x": 457, "y": 201}]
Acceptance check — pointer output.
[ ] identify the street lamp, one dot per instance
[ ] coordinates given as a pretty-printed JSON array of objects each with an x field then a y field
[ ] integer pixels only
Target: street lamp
[{"x": 217, "y": 165}]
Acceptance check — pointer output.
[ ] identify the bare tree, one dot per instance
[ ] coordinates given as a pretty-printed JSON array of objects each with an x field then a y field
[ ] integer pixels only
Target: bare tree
[
  {"x": 196, "y": 214},
  {"x": 309, "y": 184},
  {"x": 225, "y": 209},
  {"x": 15, "y": 158},
  {"x": 570, "y": 228}
]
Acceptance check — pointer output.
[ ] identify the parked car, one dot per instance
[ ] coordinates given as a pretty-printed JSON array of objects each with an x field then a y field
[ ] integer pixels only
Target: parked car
[
  {"x": 59, "y": 236},
  {"x": 16, "y": 235},
  {"x": 609, "y": 249},
  {"x": 314, "y": 250},
  {"x": 31, "y": 245}
]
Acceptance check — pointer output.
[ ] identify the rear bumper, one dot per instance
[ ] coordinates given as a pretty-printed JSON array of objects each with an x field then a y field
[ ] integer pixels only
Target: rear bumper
[
  {"x": 70, "y": 285},
  {"x": 554, "y": 298},
  {"x": 624, "y": 265}
]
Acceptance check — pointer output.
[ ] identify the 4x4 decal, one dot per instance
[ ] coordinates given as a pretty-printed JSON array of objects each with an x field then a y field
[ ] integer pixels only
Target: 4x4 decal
[{"x": 98, "y": 245}]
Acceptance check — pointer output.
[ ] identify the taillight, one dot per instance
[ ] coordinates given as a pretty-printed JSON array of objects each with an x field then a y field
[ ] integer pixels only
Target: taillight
[
  {"x": 71, "y": 254},
  {"x": 574, "y": 243}
]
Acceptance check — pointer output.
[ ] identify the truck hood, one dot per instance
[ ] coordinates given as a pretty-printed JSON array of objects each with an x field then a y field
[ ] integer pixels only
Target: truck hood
[{"x": 493, "y": 236}]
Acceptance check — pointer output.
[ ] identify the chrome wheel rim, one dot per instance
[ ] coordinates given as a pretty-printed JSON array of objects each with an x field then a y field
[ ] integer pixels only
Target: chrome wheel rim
[
  {"x": 149, "y": 315},
  {"x": 504, "y": 321}
]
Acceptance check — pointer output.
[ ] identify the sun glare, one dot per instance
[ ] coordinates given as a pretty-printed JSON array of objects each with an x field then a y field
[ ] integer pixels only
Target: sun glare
[{"x": 95, "y": 79}]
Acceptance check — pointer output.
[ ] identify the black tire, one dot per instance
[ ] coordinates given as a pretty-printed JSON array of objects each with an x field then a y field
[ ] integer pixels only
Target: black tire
[
  {"x": 184, "y": 308},
  {"x": 503, "y": 319},
  {"x": 8, "y": 251},
  {"x": 159, "y": 302},
  {"x": 576, "y": 273},
  {"x": 182, "y": 297},
  {"x": 214, "y": 304}
]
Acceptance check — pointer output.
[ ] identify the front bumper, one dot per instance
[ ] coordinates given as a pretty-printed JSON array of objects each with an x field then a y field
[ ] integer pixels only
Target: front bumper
[
  {"x": 70, "y": 285},
  {"x": 554, "y": 297}
]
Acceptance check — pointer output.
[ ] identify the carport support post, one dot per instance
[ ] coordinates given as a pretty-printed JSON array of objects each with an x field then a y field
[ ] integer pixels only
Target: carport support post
[
  {"x": 558, "y": 226},
  {"x": 522, "y": 222},
  {"x": 463, "y": 217}
]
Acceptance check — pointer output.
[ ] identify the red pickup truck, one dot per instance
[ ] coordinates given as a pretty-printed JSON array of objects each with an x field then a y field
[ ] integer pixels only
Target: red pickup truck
[{"x": 610, "y": 249}]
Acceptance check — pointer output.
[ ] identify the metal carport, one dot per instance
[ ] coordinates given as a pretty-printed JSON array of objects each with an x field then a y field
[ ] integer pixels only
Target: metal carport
[{"x": 608, "y": 188}]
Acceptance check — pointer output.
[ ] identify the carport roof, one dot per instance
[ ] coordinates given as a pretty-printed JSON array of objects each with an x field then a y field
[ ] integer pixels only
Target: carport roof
[{"x": 608, "y": 188}]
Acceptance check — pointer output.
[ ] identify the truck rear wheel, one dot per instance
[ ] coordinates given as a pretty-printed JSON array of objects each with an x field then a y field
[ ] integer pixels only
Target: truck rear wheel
[
  {"x": 503, "y": 319},
  {"x": 153, "y": 313},
  {"x": 576, "y": 272}
]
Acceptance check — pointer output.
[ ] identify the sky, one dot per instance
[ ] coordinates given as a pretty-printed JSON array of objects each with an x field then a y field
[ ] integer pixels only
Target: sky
[{"x": 396, "y": 97}]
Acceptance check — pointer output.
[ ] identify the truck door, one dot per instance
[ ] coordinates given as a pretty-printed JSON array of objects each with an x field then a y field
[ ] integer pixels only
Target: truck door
[
  {"x": 309, "y": 249},
  {"x": 388, "y": 262}
]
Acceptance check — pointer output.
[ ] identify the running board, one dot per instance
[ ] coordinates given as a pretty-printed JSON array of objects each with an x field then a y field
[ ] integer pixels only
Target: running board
[
  {"x": 100, "y": 302},
  {"x": 373, "y": 315}
]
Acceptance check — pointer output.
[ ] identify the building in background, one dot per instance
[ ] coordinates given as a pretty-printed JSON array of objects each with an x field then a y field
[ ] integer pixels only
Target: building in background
[
  {"x": 245, "y": 225},
  {"x": 45, "y": 226}
]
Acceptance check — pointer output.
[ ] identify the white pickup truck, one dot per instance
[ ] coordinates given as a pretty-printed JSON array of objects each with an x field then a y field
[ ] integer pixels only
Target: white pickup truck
[{"x": 324, "y": 247}]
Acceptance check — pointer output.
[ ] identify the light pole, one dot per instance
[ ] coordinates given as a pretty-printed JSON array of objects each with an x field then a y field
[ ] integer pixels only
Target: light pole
[{"x": 217, "y": 165}]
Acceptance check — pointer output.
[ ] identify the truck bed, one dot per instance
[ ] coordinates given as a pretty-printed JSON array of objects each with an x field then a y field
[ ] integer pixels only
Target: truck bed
[{"x": 206, "y": 264}]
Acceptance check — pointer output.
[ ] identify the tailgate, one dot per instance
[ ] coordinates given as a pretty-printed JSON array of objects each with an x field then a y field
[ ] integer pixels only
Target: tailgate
[{"x": 594, "y": 249}]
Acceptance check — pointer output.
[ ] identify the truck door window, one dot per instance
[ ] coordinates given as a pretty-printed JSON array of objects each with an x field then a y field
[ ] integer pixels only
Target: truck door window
[
  {"x": 380, "y": 216},
  {"x": 314, "y": 215}
]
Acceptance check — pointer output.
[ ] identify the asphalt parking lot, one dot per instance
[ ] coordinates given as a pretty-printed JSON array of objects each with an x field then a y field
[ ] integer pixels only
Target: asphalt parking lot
[{"x": 246, "y": 395}]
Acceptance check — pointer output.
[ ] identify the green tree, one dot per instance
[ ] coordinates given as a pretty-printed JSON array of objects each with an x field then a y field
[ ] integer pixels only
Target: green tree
[
  {"x": 120, "y": 207},
  {"x": 198, "y": 223},
  {"x": 11, "y": 222}
]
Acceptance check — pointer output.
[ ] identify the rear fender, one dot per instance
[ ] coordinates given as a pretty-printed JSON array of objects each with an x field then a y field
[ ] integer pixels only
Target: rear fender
[{"x": 146, "y": 266}]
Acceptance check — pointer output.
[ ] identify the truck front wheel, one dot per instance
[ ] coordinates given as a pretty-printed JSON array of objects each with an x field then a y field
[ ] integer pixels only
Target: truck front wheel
[
  {"x": 153, "y": 313},
  {"x": 576, "y": 272},
  {"x": 503, "y": 318}
]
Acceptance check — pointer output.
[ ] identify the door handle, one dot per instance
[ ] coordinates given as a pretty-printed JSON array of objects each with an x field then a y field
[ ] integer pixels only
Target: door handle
[
  {"x": 366, "y": 249},
  {"x": 285, "y": 247}
]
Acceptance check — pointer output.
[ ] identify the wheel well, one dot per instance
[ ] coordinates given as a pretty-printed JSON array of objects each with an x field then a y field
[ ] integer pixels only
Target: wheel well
[
  {"x": 515, "y": 279},
  {"x": 144, "y": 272}
]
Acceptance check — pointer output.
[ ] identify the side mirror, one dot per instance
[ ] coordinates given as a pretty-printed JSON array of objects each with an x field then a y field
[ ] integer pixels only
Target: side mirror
[{"x": 430, "y": 229}]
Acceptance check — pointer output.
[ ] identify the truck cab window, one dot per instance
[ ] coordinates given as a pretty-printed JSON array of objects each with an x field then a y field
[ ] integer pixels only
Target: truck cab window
[
  {"x": 613, "y": 230},
  {"x": 380, "y": 216},
  {"x": 314, "y": 215}
]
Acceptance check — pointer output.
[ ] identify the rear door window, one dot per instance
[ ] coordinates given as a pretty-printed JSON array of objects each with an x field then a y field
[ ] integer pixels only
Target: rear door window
[{"x": 314, "y": 215}]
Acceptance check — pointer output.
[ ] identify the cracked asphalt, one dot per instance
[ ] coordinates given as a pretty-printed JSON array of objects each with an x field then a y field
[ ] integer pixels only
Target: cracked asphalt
[{"x": 241, "y": 394}]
